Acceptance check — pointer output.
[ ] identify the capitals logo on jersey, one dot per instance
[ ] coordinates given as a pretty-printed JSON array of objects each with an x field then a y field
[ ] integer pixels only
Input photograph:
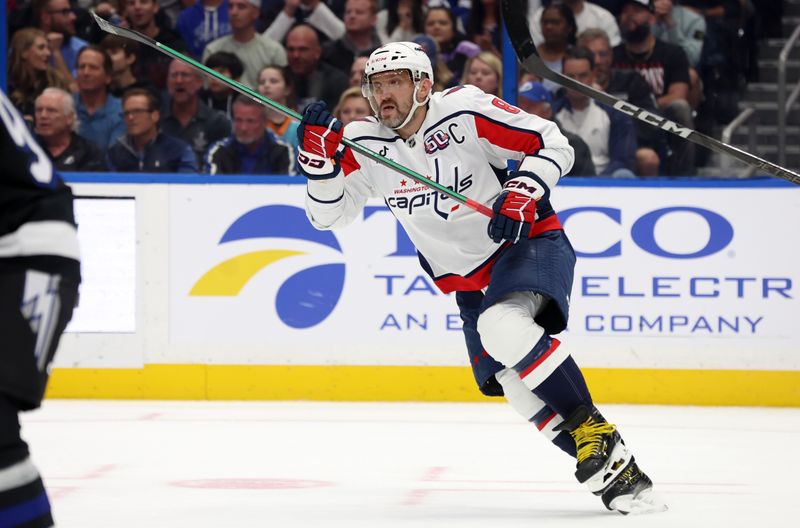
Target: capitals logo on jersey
[{"x": 431, "y": 198}]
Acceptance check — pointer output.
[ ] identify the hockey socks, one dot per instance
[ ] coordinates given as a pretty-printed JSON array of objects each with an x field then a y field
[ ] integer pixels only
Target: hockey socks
[
  {"x": 565, "y": 389},
  {"x": 534, "y": 410}
]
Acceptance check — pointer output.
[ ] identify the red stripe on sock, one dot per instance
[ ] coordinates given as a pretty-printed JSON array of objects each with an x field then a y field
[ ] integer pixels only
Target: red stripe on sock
[
  {"x": 553, "y": 346},
  {"x": 544, "y": 423}
]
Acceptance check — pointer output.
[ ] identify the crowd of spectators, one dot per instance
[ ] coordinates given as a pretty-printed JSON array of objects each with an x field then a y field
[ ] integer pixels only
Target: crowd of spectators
[{"x": 100, "y": 102}]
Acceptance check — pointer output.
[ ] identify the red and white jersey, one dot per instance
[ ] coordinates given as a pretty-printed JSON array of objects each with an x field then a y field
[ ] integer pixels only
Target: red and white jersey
[{"x": 463, "y": 144}]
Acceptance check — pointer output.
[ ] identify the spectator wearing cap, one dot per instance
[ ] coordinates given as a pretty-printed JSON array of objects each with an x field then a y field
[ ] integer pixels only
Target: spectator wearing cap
[
  {"x": 254, "y": 50},
  {"x": 99, "y": 113},
  {"x": 205, "y": 21},
  {"x": 665, "y": 68},
  {"x": 535, "y": 99},
  {"x": 152, "y": 64},
  {"x": 185, "y": 116},
  {"x": 631, "y": 87},
  {"x": 314, "y": 79},
  {"x": 56, "y": 126},
  {"x": 587, "y": 15},
  {"x": 144, "y": 148},
  {"x": 360, "y": 36},
  {"x": 252, "y": 149},
  {"x": 218, "y": 95},
  {"x": 314, "y": 13},
  {"x": 608, "y": 133}
]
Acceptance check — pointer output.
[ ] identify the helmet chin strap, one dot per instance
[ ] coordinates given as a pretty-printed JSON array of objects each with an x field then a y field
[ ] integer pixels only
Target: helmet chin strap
[{"x": 414, "y": 106}]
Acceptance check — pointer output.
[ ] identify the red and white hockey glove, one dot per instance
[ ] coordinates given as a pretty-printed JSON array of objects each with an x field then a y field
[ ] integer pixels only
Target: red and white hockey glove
[
  {"x": 319, "y": 136},
  {"x": 515, "y": 208}
]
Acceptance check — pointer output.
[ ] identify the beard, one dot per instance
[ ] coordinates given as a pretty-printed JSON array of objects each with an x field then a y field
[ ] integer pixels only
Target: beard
[
  {"x": 637, "y": 34},
  {"x": 400, "y": 115}
]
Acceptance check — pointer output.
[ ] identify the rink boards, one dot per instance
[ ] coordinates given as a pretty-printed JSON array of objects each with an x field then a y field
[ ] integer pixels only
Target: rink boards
[{"x": 685, "y": 292}]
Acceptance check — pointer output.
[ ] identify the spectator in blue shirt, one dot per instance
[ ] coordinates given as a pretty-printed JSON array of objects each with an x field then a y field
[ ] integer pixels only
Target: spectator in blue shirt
[
  {"x": 144, "y": 148},
  {"x": 99, "y": 113}
]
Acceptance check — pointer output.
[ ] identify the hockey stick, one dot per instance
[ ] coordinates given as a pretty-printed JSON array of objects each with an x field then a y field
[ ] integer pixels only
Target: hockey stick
[
  {"x": 242, "y": 89},
  {"x": 514, "y": 16}
]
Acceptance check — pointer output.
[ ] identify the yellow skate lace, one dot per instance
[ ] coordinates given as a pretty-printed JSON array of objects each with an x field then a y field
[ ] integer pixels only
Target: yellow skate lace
[{"x": 588, "y": 435}]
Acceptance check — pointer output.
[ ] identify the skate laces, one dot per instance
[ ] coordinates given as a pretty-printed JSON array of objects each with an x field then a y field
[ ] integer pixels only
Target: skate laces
[{"x": 588, "y": 437}]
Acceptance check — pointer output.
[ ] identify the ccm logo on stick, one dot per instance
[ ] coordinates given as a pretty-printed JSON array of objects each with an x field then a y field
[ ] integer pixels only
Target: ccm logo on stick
[{"x": 652, "y": 119}]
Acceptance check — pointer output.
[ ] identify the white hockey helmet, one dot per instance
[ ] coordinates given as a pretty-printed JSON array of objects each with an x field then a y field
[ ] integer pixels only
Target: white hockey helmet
[{"x": 398, "y": 56}]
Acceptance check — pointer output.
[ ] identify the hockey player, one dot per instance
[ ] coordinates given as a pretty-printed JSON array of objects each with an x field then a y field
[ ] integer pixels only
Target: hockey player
[
  {"x": 512, "y": 286},
  {"x": 39, "y": 276}
]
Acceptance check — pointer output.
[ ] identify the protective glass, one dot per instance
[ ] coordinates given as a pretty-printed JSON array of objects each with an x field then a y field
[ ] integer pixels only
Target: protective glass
[{"x": 382, "y": 83}]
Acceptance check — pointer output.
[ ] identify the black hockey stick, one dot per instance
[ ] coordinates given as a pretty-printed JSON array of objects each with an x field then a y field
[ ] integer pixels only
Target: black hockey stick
[
  {"x": 242, "y": 89},
  {"x": 514, "y": 16}
]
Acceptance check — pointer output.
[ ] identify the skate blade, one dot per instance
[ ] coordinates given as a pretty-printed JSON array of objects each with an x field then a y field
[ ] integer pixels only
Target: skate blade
[{"x": 644, "y": 503}]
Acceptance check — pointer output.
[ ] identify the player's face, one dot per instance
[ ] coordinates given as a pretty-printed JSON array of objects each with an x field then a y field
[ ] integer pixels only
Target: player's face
[
  {"x": 249, "y": 123},
  {"x": 272, "y": 85},
  {"x": 483, "y": 76},
  {"x": 392, "y": 94},
  {"x": 353, "y": 108},
  {"x": 51, "y": 119}
]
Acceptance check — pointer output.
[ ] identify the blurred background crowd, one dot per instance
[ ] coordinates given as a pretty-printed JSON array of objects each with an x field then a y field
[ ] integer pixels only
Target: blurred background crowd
[{"x": 99, "y": 102}]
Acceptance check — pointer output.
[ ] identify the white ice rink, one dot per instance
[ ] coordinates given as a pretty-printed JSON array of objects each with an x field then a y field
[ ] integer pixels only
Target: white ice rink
[{"x": 239, "y": 465}]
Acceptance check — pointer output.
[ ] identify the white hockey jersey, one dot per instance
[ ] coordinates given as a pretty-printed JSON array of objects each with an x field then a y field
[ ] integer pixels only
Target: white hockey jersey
[{"x": 463, "y": 144}]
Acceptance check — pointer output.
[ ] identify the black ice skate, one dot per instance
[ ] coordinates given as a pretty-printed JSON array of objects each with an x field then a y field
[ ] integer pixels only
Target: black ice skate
[
  {"x": 601, "y": 453},
  {"x": 606, "y": 466},
  {"x": 632, "y": 492}
]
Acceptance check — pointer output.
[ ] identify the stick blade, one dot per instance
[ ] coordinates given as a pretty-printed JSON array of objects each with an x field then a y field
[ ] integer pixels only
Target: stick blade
[
  {"x": 516, "y": 20},
  {"x": 108, "y": 27}
]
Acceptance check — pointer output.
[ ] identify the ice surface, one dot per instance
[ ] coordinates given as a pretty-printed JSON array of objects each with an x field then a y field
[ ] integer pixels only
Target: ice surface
[{"x": 240, "y": 465}]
